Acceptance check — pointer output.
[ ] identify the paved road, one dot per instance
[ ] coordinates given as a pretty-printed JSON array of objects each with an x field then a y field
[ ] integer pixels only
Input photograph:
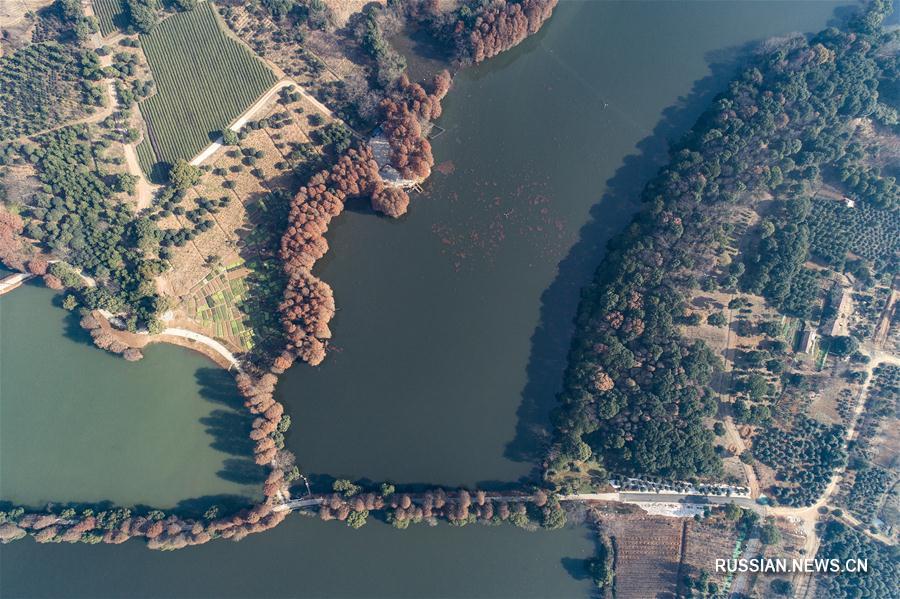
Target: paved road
[
  {"x": 630, "y": 498},
  {"x": 207, "y": 341}
]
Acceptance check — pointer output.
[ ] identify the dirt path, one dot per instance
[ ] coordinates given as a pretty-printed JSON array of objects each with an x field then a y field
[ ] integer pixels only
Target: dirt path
[
  {"x": 143, "y": 189},
  {"x": 256, "y": 108},
  {"x": 727, "y": 381},
  {"x": 809, "y": 516},
  {"x": 735, "y": 439},
  {"x": 884, "y": 324},
  {"x": 96, "y": 117}
]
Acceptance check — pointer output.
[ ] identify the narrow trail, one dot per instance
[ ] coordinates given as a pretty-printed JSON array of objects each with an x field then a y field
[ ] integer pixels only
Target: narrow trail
[
  {"x": 94, "y": 117},
  {"x": 13, "y": 281},
  {"x": 143, "y": 189},
  {"x": 204, "y": 340},
  {"x": 257, "y": 107}
]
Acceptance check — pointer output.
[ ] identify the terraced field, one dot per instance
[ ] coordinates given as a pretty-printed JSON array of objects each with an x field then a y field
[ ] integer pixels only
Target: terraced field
[{"x": 204, "y": 80}]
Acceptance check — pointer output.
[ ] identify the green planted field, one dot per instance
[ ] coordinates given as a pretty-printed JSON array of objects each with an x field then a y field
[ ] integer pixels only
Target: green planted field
[
  {"x": 108, "y": 13},
  {"x": 204, "y": 80},
  {"x": 148, "y": 162},
  {"x": 865, "y": 230}
]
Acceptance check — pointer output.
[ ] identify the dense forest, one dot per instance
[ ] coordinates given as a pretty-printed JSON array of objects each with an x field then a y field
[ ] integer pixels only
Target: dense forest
[
  {"x": 76, "y": 217},
  {"x": 481, "y": 29},
  {"x": 804, "y": 459},
  {"x": 635, "y": 392},
  {"x": 843, "y": 543}
]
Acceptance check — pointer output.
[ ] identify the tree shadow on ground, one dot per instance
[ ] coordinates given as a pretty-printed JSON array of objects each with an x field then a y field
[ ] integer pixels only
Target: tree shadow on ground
[{"x": 551, "y": 340}]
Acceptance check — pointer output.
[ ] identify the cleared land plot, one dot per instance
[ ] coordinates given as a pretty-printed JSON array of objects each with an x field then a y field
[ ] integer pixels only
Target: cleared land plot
[
  {"x": 204, "y": 80},
  {"x": 109, "y": 14},
  {"x": 225, "y": 280},
  {"x": 707, "y": 541},
  {"x": 648, "y": 556}
]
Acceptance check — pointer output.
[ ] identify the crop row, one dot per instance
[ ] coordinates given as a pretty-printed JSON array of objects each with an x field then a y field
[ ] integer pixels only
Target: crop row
[
  {"x": 107, "y": 13},
  {"x": 204, "y": 80}
]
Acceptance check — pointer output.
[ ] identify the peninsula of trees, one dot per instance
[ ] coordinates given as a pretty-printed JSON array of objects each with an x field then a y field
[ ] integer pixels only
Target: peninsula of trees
[{"x": 636, "y": 390}]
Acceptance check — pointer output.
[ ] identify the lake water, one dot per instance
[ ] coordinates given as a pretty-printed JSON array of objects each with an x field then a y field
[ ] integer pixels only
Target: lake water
[
  {"x": 453, "y": 324},
  {"x": 449, "y": 343},
  {"x": 80, "y": 425}
]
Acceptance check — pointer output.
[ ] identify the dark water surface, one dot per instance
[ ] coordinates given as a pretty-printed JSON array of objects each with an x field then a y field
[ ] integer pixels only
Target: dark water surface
[{"x": 454, "y": 322}]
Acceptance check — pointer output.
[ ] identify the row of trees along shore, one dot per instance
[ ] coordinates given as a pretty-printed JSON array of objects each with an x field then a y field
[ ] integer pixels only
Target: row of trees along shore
[
  {"x": 308, "y": 303},
  {"x": 636, "y": 391},
  {"x": 349, "y": 503}
]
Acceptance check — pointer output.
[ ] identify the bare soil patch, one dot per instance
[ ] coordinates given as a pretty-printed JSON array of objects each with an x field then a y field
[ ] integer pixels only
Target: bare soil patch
[{"x": 647, "y": 555}]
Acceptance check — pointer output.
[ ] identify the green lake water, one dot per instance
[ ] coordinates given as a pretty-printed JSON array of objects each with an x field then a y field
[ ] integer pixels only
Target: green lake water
[
  {"x": 449, "y": 342},
  {"x": 80, "y": 425}
]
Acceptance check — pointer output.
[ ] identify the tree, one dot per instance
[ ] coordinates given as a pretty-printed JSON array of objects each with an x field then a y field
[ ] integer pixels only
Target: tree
[
  {"x": 733, "y": 512},
  {"x": 387, "y": 489},
  {"x": 183, "y": 175},
  {"x": 782, "y": 587},
  {"x": 141, "y": 14},
  {"x": 229, "y": 137},
  {"x": 346, "y": 487},
  {"x": 717, "y": 319},
  {"x": 719, "y": 428},
  {"x": 757, "y": 386},
  {"x": 70, "y": 302},
  {"x": 554, "y": 516},
  {"x": 769, "y": 534},
  {"x": 357, "y": 519},
  {"x": 600, "y": 567},
  {"x": 843, "y": 346}
]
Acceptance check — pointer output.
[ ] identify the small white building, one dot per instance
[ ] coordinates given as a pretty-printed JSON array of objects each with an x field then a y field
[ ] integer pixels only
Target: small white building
[{"x": 808, "y": 341}]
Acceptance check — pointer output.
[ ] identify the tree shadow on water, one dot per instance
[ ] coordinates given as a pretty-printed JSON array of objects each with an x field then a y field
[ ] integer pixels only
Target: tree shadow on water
[
  {"x": 230, "y": 432},
  {"x": 575, "y": 567},
  {"x": 243, "y": 471},
  {"x": 229, "y": 427},
  {"x": 218, "y": 386},
  {"x": 551, "y": 340}
]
